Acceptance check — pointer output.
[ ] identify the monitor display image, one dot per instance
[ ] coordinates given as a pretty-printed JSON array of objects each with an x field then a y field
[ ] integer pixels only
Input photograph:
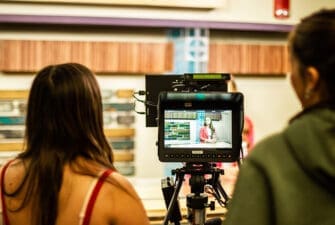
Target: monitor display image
[{"x": 198, "y": 129}]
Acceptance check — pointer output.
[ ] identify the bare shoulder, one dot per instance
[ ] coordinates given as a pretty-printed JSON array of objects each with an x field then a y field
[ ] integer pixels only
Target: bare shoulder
[
  {"x": 122, "y": 180},
  {"x": 123, "y": 199},
  {"x": 120, "y": 183},
  {"x": 14, "y": 174}
]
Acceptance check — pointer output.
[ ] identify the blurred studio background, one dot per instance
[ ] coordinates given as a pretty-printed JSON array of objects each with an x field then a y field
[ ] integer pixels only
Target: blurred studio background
[{"x": 124, "y": 40}]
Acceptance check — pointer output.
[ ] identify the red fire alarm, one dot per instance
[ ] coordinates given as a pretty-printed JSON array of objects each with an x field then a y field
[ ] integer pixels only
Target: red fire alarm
[{"x": 282, "y": 8}]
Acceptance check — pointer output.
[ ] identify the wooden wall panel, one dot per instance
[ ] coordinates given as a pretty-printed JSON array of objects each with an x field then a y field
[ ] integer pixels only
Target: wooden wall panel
[
  {"x": 101, "y": 57},
  {"x": 248, "y": 58}
]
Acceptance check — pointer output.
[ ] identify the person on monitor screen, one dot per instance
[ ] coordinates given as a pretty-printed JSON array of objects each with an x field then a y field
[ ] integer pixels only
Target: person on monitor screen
[
  {"x": 207, "y": 132},
  {"x": 289, "y": 177},
  {"x": 65, "y": 174}
]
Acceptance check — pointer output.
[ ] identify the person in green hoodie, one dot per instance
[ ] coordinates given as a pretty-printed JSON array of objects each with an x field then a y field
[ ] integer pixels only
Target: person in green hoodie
[{"x": 289, "y": 177}]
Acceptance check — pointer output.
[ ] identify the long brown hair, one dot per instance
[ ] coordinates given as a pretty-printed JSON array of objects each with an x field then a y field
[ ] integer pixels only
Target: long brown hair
[{"x": 64, "y": 120}]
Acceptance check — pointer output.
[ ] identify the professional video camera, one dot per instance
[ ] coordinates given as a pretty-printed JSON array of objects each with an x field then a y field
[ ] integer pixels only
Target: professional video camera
[
  {"x": 199, "y": 123},
  {"x": 183, "y": 105}
]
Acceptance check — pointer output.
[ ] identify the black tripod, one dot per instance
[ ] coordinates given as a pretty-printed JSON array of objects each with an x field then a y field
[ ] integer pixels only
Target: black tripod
[{"x": 197, "y": 200}]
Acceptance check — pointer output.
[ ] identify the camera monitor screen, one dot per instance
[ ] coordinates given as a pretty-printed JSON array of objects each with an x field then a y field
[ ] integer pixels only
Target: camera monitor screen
[
  {"x": 200, "y": 127},
  {"x": 197, "y": 129}
]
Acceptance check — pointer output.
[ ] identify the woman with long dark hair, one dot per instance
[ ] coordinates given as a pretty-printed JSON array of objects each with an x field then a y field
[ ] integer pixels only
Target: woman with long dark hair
[
  {"x": 289, "y": 178},
  {"x": 65, "y": 175}
]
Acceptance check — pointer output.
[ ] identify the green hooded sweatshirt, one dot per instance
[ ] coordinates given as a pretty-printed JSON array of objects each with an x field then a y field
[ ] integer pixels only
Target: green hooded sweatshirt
[{"x": 289, "y": 178}]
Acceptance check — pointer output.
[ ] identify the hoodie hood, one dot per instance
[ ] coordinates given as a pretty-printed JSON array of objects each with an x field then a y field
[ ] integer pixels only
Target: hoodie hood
[{"x": 311, "y": 139}]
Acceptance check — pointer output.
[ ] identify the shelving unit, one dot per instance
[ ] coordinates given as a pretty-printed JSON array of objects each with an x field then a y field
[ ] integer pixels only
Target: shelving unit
[{"x": 119, "y": 122}]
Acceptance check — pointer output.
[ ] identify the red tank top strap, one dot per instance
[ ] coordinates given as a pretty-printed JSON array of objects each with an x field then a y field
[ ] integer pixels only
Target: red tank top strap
[
  {"x": 94, "y": 195},
  {"x": 3, "y": 203}
]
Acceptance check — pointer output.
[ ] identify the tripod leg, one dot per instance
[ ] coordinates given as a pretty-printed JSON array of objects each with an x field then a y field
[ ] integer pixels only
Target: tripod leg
[
  {"x": 222, "y": 192},
  {"x": 173, "y": 201},
  {"x": 218, "y": 189}
]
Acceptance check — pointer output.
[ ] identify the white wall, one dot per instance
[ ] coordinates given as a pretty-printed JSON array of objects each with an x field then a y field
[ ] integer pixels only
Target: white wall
[{"x": 269, "y": 102}]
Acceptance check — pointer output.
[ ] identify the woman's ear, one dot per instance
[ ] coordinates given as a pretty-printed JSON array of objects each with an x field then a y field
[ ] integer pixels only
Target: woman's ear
[
  {"x": 312, "y": 87},
  {"x": 312, "y": 78}
]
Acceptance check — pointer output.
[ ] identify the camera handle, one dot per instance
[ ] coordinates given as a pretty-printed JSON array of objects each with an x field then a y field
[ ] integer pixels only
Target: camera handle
[{"x": 197, "y": 200}]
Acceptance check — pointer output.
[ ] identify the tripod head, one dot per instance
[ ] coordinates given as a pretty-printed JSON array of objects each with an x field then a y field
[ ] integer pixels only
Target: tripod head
[{"x": 201, "y": 174}]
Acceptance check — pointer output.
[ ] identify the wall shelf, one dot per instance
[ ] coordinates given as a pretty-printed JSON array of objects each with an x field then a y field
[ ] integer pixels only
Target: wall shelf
[
  {"x": 118, "y": 125},
  {"x": 196, "y": 4},
  {"x": 139, "y": 22}
]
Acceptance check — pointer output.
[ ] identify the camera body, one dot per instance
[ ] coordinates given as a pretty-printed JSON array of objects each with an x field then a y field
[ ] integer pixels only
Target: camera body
[{"x": 182, "y": 120}]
